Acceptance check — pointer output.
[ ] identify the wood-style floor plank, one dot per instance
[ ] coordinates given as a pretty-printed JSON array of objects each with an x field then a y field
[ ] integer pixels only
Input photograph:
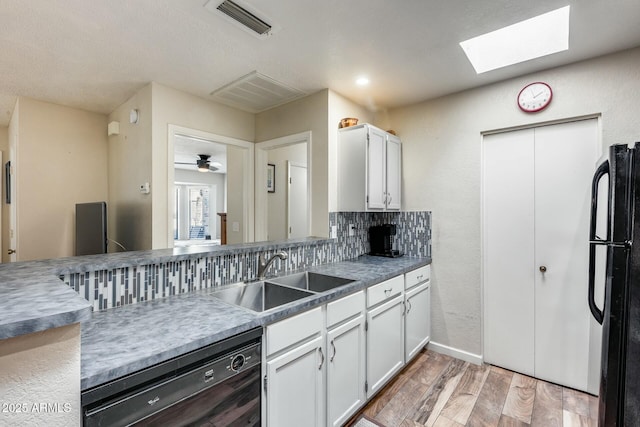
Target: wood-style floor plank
[
  {"x": 571, "y": 419},
  {"x": 519, "y": 403},
  {"x": 426, "y": 411},
  {"x": 488, "y": 408},
  {"x": 464, "y": 397},
  {"x": 547, "y": 407},
  {"x": 435, "y": 390},
  {"x": 576, "y": 402}
]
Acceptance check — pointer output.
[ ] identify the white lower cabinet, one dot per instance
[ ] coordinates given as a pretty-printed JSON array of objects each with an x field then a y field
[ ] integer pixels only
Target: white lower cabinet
[
  {"x": 295, "y": 387},
  {"x": 417, "y": 311},
  {"x": 295, "y": 370},
  {"x": 385, "y": 332},
  {"x": 346, "y": 358},
  {"x": 322, "y": 365}
]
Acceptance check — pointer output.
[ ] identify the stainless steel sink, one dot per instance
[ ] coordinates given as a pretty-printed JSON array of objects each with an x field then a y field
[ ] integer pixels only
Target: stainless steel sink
[
  {"x": 314, "y": 282},
  {"x": 260, "y": 296}
]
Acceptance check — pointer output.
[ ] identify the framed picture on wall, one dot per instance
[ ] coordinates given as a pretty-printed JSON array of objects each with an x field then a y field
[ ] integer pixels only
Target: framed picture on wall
[
  {"x": 7, "y": 182},
  {"x": 271, "y": 178}
]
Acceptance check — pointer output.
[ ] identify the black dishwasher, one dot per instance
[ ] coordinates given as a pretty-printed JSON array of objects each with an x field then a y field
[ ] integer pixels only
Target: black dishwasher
[{"x": 217, "y": 385}]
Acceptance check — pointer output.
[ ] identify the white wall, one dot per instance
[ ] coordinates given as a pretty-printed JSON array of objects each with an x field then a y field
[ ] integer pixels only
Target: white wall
[
  {"x": 441, "y": 168},
  {"x": 171, "y": 106},
  {"x": 41, "y": 369},
  {"x": 61, "y": 160},
  {"x": 277, "y": 202},
  {"x": 129, "y": 211},
  {"x": 306, "y": 114}
]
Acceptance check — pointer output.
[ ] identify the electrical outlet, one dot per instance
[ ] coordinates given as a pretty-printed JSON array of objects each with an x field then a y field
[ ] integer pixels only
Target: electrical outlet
[
  {"x": 333, "y": 234},
  {"x": 352, "y": 230},
  {"x": 235, "y": 226}
]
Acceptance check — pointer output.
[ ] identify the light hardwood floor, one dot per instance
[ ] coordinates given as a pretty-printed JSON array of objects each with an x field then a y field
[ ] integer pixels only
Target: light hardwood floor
[{"x": 440, "y": 391}]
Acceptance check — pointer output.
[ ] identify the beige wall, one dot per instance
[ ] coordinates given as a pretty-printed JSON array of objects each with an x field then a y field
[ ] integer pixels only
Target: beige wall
[
  {"x": 41, "y": 369},
  {"x": 129, "y": 211},
  {"x": 441, "y": 168},
  {"x": 306, "y": 114},
  {"x": 171, "y": 106},
  {"x": 61, "y": 160},
  {"x": 277, "y": 202},
  {"x": 4, "y": 224},
  {"x": 339, "y": 108}
]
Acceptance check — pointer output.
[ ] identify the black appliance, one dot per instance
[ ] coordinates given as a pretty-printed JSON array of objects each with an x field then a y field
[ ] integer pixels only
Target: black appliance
[
  {"x": 217, "y": 385},
  {"x": 91, "y": 228},
  {"x": 381, "y": 240},
  {"x": 619, "y": 397}
]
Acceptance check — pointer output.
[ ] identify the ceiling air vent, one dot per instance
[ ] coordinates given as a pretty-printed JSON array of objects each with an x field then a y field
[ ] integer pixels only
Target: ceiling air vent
[
  {"x": 241, "y": 15},
  {"x": 256, "y": 92}
]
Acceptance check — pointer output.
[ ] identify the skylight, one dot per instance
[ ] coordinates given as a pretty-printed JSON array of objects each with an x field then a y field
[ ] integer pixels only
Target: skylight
[{"x": 533, "y": 38}]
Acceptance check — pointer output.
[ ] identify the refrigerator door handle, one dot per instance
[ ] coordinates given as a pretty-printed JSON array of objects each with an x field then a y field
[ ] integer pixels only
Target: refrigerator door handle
[{"x": 594, "y": 240}]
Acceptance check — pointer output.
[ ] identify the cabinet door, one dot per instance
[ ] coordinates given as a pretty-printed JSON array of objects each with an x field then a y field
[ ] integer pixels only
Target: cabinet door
[
  {"x": 417, "y": 320},
  {"x": 394, "y": 175},
  {"x": 295, "y": 394},
  {"x": 376, "y": 154},
  {"x": 385, "y": 343},
  {"x": 345, "y": 370}
]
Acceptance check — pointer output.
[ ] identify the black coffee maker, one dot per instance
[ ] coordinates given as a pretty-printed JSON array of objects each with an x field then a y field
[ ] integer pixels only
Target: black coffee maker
[{"x": 381, "y": 238}]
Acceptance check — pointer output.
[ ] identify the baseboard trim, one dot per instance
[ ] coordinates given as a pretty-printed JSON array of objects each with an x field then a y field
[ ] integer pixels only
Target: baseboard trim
[{"x": 457, "y": 353}]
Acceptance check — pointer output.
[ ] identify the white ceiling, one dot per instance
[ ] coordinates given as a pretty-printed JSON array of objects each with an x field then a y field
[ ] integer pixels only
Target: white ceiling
[{"x": 95, "y": 54}]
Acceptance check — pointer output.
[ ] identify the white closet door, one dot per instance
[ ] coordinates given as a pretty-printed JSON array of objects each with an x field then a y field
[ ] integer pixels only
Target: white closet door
[
  {"x": 565, "y": 157},
  {"x": 508, "y": 182}
]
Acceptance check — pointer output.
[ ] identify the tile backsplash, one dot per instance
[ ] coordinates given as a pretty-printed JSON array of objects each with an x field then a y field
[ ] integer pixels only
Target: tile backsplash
[
  {"x": 109, "y": 288},
  {"x": 413, "y": 232}
]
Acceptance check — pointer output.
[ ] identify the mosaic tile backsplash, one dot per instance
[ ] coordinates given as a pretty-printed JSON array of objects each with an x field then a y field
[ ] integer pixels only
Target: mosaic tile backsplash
[
  {"x": 129, "y": 285},
  {"x": 413, "y": 232}
]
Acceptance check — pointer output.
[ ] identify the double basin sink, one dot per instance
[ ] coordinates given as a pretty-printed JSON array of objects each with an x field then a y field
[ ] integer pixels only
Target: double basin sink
[{"x": 268, "y": 294}]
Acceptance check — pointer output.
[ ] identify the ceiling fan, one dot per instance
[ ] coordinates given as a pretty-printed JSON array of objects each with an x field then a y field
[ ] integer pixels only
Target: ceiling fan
[{"x": 203, "y": 164}]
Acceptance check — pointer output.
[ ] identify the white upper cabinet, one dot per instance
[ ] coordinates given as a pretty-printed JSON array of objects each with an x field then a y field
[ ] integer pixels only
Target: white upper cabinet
[{"x": 369, "y": 169}]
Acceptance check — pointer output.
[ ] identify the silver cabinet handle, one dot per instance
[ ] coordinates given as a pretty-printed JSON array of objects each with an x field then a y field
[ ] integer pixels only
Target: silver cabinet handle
[
  {"x": 543, "y": 268},
  {"x": 388, "y": 290},
  {"x": 321, "y": 358},
  {"x": 334, "y": 351},
  {"x": 409, "y": 308}
]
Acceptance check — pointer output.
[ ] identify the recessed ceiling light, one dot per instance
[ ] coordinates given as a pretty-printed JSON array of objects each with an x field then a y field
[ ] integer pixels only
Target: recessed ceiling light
[
  {"x": 362, "y": 81},
  {"x": 533, "y": 38}
]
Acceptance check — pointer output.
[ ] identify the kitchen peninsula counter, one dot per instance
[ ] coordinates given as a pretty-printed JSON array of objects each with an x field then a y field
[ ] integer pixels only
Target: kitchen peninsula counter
[{"x": 120, "y": 341}]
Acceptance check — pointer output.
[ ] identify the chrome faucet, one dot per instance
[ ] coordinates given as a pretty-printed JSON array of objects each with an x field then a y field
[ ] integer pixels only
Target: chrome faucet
[{"x": 264, "y": 265}]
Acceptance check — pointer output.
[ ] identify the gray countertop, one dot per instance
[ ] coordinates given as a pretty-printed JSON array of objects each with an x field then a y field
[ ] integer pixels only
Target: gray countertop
[
  {"x": 34, "y": 299},
  {"x": 123, "y": 340}
]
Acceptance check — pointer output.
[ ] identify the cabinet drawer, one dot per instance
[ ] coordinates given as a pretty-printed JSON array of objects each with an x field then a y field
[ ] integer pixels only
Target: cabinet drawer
[
  {"x": 293, "y": 330},
  {"x": 345, "y": 308},
  {"x": 385, "y": 290},
  {"x": 419, "y": 275}
]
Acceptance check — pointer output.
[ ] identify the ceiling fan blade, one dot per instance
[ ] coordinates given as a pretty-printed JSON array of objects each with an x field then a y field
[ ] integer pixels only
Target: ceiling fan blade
[
  {"x": 212, "y": 168},
  {"x": 183, "y": 163}
]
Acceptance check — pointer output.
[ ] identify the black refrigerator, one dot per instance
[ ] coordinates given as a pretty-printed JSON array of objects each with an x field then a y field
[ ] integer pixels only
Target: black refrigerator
[{"x": 619, "y": 397}]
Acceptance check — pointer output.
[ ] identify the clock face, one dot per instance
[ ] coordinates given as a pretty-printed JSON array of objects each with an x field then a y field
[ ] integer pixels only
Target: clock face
[{"x": 534, "y": 97}]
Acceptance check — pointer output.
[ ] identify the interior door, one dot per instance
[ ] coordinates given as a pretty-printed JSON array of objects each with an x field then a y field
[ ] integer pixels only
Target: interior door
[
  {"x": 297, "y": 201},
  {"x": 508, "y": 235},
  {"x": 536, "y": 194},
  {"x": 565, "y": 159}
]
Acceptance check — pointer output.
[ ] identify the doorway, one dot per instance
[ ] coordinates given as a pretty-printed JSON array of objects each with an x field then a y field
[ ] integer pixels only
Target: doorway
[{"x": 536, "y": 194}]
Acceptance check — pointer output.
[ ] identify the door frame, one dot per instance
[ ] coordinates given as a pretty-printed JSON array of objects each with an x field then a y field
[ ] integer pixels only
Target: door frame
[
  {"x": 601, "y": 152},
  {"x": 261, "y": 148}
]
